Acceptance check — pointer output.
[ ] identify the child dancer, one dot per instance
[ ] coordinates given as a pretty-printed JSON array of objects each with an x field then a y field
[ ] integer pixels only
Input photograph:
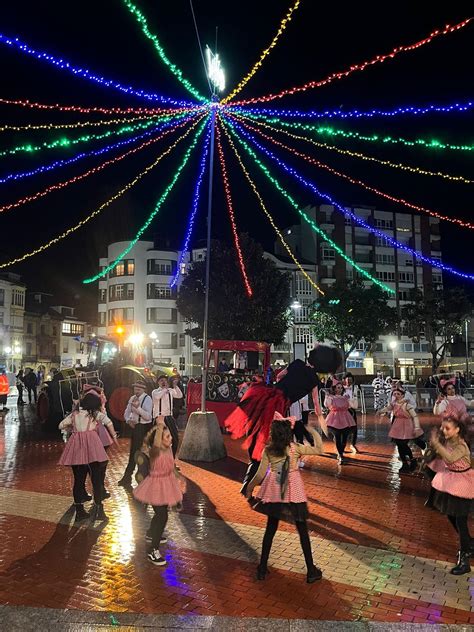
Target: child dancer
[
  {"x": 161, "y": 488},
  {"x": 339, "y": 419},
  {"x": 282, "y": 491},
  {"x": 85, "y": 453},
  {"x": 351, "y": 390},
  {"x": 448, "y": 403},
  {"x": 454, "y": 486}
]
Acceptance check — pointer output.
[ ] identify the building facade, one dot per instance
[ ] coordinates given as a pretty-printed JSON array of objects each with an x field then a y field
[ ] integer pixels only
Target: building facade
[
  {"x": 75, "y": 334},
  {"x": 42, "y": 333},
  {"x": 12, "y": 312}
]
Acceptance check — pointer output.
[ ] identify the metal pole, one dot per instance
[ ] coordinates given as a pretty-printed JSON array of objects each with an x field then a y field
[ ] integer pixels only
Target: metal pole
[
  {"x": 466, "y": 322},
  {"x": 208, "y": 266}
]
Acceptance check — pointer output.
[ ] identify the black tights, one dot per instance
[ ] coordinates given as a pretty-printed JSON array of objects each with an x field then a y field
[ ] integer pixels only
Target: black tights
[
  {"x": 461, "y": 526},
  {"x": 272, "y": 526},
  {"x": 158, "y": 524},
  {"x": 404, "y": 449},
  {"x": 97, "y": 474},
  {"x": 341, "y": 437}
]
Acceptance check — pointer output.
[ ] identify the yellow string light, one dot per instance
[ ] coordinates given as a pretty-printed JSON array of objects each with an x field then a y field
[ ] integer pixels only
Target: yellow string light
[
  {"x": 266, "y": 52},
  {"x": 269, "y": 217},
  {"x": 24, "y": 128},
  {"x": 354, "y": 154},
  {"x": 128, "y": 186}
]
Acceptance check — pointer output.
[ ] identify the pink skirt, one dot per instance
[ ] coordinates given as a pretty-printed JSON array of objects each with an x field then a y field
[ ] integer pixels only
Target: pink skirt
[
  {"x": 83, "y": 448},
  {"x": 104, "y": 435},
  {"x": 403, "y": 428},
  {"x": 340, "y": 419},
  {"x": 270, "y": 490},
  {"x": 160, "y": 487},
  {"x": 460, "y": 484}
]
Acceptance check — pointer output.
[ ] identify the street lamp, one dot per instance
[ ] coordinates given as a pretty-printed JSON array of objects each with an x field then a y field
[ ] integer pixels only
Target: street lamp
[
  {"x": 393, "y": 344},
  {"x": 466, "y": 323},
  {"x": 294, "y": 306}
]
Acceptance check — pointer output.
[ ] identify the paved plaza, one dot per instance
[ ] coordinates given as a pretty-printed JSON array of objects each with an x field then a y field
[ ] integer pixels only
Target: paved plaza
[{"x": 385, "y": 557}]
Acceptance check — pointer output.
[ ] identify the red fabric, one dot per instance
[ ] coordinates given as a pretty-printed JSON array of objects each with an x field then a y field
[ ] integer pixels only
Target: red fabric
[
  {"x": 4, "y": 385},
  {"x": 254, "y": 416},
  {"x": 241, "y": 345}
]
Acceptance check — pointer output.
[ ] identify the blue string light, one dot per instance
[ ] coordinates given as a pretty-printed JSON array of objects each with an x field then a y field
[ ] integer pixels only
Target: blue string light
[
  {"x": 197, "y": 191},
  {"x": 62, "y": 163},
  {"x": 429, "y": 109},
  {"x": 432, "y": 262},
  {"x": 15, "y": 42}
]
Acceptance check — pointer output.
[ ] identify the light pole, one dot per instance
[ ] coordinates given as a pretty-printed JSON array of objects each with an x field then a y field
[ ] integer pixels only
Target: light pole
[
  {"x": 393, "y": 344},
  {"x": 295, "y": 306},
  {"x": 466, "y": 323}
]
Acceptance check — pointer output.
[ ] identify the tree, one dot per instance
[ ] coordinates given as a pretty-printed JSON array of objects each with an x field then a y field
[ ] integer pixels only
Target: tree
[
  {"x": 232, "y": 314},
  {"x": 351, "y": 312},
  {"x": 436, "y": 315}
]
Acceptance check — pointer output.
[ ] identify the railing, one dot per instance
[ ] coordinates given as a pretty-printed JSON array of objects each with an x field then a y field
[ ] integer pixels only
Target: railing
[{"x": 425, "y": 397}]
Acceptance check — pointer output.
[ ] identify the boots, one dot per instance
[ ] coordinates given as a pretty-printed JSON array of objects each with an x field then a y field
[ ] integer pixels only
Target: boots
[
  {"x": 262, "y": 572},
  {"x": 313, "y": 575},
  {"x": 98, "y": 513},
  {"x": 462, "y": 566},
  {"x": 81, "y": 513}
]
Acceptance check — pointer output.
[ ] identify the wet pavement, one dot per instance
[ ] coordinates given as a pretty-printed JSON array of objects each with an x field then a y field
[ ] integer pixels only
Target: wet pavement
[{"x": 385, "y": 557}]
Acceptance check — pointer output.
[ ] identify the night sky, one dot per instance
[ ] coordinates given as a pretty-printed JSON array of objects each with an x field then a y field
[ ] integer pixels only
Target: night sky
[{"x": 104, "y": 37}]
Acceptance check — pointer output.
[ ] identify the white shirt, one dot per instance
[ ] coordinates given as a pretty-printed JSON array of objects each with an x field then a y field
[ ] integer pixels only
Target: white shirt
[
  {"x": 82, "y": 421},
  {"x": 142, "y": 414},
  {"x": 440, "y": 407},
  {"x": 163, "y": 401}
]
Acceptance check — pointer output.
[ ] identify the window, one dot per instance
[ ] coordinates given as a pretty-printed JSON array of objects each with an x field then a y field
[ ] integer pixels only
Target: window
[
  {"x": 102, "y": 319},
  {"x": 383, "y": 223},
  {"x": 303, "y": 287},
  {"x": 2, "y": 297},
  {"x": 182, "y": 340},
  {"x": 437, "y": 277},
  {"x": 130, "y": 291},
  {"x": 29, "y": 328},
  {"x": 29, "y": 349},
  {"x": 303, "y": 334},
  {"x": 162, "y": 315},
  {"x": 73, "y": 329},
  {"x": 161, "y": 266},
  {"x": 18, "y": 298},
  {"x": 327, "y": 252},
  {"x": 385, "y": 276},
  {"x": 119, "y": 316},
  {"x": 385, "y": 259},
  {"x": 66, "y": 346},
  {"x": 123, "y": 268},
  {"x": 43, "y": 330},
  {"x": 405, "y": 277},
  {"x": 182, "y": 363},
  {"x": 409, "y": 262},
  {"x": 102, "y": 295},
  {"x": 381, "y": 241},
  {"x": 159, "y": 290},
  {"x": 404, "y": 295},
  {"x": 55, "y": 330}
]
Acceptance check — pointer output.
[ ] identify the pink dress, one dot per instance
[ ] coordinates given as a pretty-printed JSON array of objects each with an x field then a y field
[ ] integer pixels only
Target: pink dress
[
  {"x": 456, "y": 479},
  {"x": 83, "y": 447},
  {"x": 339, "y": 416},
  {"x": 403, "y": 426},
  {"x": 270, "y": 489},
  {"x": 160, "y": 487}
]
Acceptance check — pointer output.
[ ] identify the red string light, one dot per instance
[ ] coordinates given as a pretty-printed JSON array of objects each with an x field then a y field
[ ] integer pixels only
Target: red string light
[
  {"x": 65, "y": 183},
  {"x": 88, "y": 110},
  {"x": 323, "y": 165},
  {"x": 357, "y": 67},
  {"x": 231, "y": 213}
]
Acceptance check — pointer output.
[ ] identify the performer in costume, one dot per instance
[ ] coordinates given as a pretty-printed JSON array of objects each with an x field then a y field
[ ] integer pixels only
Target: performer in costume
[
  {"x": 256, "y": 410},
  {"x": 339, "y": 419},
  {"x": 379, "y": 391},
  {"x": 448, "y": 403},
  {"x": 351, "y": 390},
  {"x": 163, "y": 397}
]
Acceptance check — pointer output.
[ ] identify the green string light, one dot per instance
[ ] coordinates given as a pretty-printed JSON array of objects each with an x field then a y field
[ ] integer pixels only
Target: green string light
[
  {"x": 68, "y": 142},
  {"x": 158, "y": 205},
  {"x": 374, "y": 138},
  {"x": 307, "y": 219},
  {"x": 151, "y": 36}
]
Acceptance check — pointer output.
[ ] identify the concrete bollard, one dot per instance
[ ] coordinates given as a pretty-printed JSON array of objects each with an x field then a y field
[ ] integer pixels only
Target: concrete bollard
[{"x": 203, "y": 440}]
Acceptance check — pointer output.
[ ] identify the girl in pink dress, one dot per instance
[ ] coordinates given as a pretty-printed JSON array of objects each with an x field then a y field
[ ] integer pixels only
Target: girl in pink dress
[
  {"x": 454, "y": 486},
  {"x": 282, "y": 491},
  {"x": 339, "y": 419},
  {"x": 161, "y": 488},
  {"x": 85, "y": 453}
]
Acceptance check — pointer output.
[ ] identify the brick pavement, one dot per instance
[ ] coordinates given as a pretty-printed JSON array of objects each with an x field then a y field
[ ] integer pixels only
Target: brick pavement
[{"x": 384, "y": 556}]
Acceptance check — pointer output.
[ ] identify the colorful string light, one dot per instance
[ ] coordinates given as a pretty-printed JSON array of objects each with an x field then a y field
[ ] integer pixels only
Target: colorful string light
[
  {"x": 322, "y": 165},
  {"x": 158, "y": 205},
  {"x": 355, "y": 154},
  {"x": 16, "y": 43},
  {"x": 374, "y": 138},
  {"x": 307, "y": 219},
  {"x": 65, "y": 183},
  {"x": 230, "y": 208},
  {"x": 88, "y": 110},
  {"x": 409, "y": 109},
  {"x": 153, "y": 38},
  {"x": 62, "y": 163},
  {"x": 195, "y": 206},
  {"x": 69, "y": 231},
  {"x": 250, "y": 74},
  {"x": 396, "y": 244},
  {"x": 269, "y": 217},
  {"x": 357, "y": 67}
]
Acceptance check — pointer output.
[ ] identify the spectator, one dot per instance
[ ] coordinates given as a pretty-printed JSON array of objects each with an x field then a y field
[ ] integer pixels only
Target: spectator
[
  {"x": 20, "y": 386},
  {"x": 31, "y": 382},
  {"x": 4, "y": 389},
  {"x": 223, "y": 366}
]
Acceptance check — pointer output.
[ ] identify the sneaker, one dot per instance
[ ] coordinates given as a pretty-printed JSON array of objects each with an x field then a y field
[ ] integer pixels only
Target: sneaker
[
  {"x": 155, "y": 558},
  {"x": 354, "y": 449},
  {"x": 340, "y": 460},
  {"x": 301, "y": 464}
]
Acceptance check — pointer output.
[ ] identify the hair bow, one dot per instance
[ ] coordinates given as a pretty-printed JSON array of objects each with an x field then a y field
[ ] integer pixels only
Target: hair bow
[
  {"x": 335, "y": 381},
  {"x": 279, "y": 417},
  {"x": 451, "y": 380}
]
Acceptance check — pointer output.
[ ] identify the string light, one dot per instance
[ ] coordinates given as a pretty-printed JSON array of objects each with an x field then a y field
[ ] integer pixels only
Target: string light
[
  {"x": 355, "y": 154},
  {"x": 153, "y": 38},
  {"x": 230, "y": 208},
  {"x": 358, "y": 67},
  {"x": 62, "y": 163},
  {"x": 374, "y": 138},
  {"x": 269, "y": 217},
  {"x": 128, "y": 186},
  {"x": 307, "y": 219},
  {"x": 195, "y": 206},
  {"x": 16, "y": 43},
  {"x": 162, "y": 199},
  {"x": 67, "y": 142},
  {"x": 409, "y": 109},
  {"x": 318, "y": 163},
  {"x": 65, "y": 183},
  {"x": 393, "y": 242},
  {"x": 88, "y": 110},
  {"x": 250, "y": 74}
]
